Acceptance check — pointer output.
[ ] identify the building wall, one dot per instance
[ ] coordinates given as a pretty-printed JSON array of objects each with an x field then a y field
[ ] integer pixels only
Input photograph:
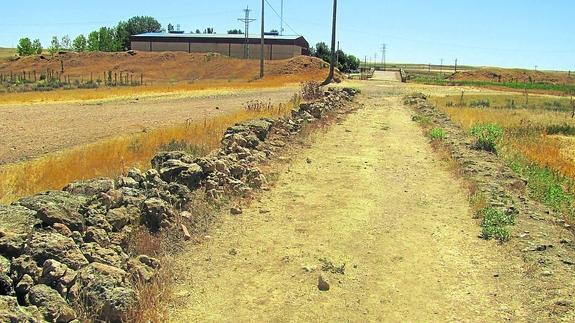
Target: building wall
[{"x": 234, "y": 50}]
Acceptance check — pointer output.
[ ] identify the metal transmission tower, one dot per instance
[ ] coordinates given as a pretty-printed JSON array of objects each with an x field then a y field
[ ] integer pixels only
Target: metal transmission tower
[
  {"x": 383, "y": 52},
  {"x": 247, "y": 21}
]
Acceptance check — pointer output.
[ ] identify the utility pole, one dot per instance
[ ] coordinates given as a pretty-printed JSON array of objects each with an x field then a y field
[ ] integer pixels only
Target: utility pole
[
  {"x": 383, "y": 52},
  {"x": 456, "y": 65},
  {"x": 337, "y": 54},
  {"x": 333, "y": 37},
  {"x": 247, "y": 21},
  {"x": 262, "y": 42},
  {"x": 441, "y": 67}
]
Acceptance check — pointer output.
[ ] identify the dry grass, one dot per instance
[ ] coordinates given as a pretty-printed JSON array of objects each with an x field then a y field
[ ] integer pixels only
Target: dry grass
[
  {"x": 197, "y": 88},
  {"x": 524, "y": 124},
  {"x": 113, "y": 157},
  {"x": 6, "y": 53}
]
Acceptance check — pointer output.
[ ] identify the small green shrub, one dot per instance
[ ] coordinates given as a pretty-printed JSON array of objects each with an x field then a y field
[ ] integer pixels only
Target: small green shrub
[
  {"x": 437, "y": 134},
  {"x": 182, "y": 145},
  {"x": 486, "y": 136},
  {"x": 480, "y": 104},
  {"x": 495, "y": 224},
  {"x": 564, "y": 129},
  {"x": 421, "y": 119}
]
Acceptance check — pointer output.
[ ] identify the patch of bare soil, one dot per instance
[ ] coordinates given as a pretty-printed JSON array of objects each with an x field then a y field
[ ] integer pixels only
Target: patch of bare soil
[
  {"x": 363, "y": 224},
  {"x": 160, "y": 66},
  {"x": 32, "y": 130}
]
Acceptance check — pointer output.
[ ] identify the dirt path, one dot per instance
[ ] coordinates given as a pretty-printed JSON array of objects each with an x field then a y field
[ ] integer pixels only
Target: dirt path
[
  {"x": 32, "y": 130},
  {"x": 373, "y": 197}
]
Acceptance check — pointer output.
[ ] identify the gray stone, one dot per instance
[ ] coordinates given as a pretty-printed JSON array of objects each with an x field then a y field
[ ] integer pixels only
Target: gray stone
[
  {"x": 97, "y": 235},
  {"x": 50, "y": 245},
  {"x": 51, "y": 304},
  {"x": 10, "y": 311},
  {"x": 25, "y": 265},
  {"x": 108, "y": 288},
  {"x": 52, "y": 213},
  {"x": 16, "y": 223},
  {"x": 91, "y": 187},
  {"x": 95, "y": 253},
  {"x": 155, "y": 211},
  {"x": 24, "y": 285},
  {"x": 6, "y": 285}
]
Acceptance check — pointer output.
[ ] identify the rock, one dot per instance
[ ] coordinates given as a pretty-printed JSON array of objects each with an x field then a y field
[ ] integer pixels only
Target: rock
[
  {"x": 91, "y": 187},
  {"x": 260, "y": 127},
  {"x": 62, "y": 229},
  {"x": 136, "y": 175},
  {"x": 52, "y": 271},
  {"x": 25, "y": 265},
  {"x": 322, "y": 284},
  {"x": 16, "y": 223},
  {"x": 24, "y": 286},
  {"x": 4, "y": 265},
  {"x": 121, "y": 217},
  {"x": 108, "y": 288},
  {"x": 6, "y": 285},
  {"x": 95, "y": 253},
  {"x": 50, "y": 245},
  {"x": 97, "y": 235},
  {"x": 143, "y": 267},
  {"x": 10, "y": 311},
  {"x": 51, "y": 304},
  {"x": 155, "y": 211},
  {"x": 187, "y": 236},
  {"x": 236, "y": 211},
  {"x": 62, "y": 198},
  {"x": 54, "y": 213},
  {"x": 162, "y": 157},
  {"x": 175, "y": 170},
  {"x": 128, "y": 182}
]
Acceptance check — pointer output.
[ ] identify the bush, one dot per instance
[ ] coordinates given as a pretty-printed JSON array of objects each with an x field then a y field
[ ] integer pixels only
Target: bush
[
  {"x": 495, "y": 224},
  {"x": 486, "y": 136},
  {"x": 564, "y": 129},
  {"x": 480, "y": 104},
  {"x": 437, "y": 134}
]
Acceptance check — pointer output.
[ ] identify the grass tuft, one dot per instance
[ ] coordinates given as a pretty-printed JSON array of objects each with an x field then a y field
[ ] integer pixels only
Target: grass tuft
[{"x": 495, "y": 224}]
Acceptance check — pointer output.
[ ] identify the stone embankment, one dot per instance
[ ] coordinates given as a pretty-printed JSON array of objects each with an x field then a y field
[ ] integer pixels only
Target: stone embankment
[{"x": 63, "y": 248}]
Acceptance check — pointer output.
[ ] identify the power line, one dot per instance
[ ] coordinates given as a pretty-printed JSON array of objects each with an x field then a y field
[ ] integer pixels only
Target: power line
[{"x": 281, "y": 18}]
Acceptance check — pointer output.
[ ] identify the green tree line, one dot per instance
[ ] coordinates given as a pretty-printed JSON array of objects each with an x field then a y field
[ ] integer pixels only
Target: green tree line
[
  {"x": 104, "y": 39},
  {"x": 345, "y": 63}
]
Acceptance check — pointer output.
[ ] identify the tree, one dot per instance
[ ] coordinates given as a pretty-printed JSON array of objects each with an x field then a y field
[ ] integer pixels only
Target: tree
[
  {"x": 37, "y": 46},
  {"x": 345, "y": 63},
  {"x": 79, "y": 43},
  {"x": 25, "y": 47},
  {"x": 198, "y": 31},
  {"x": 235, "y": 32},
  {"x": 93, "y": 43},
  {"x": 134, "y": 26},
  {"x": 170, "y": 28},
  {"x": 107, "y": 40},
  {"x": 65, "y": 43},
  {"x": 54, "y": 46}
]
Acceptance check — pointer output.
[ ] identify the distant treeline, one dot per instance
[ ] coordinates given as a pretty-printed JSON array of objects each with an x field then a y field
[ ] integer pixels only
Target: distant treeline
[{"x": 104, "y": 39}]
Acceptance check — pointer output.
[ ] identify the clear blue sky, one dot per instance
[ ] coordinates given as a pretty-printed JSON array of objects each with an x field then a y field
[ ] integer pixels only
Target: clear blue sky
[{"x": 511, "y": 33}]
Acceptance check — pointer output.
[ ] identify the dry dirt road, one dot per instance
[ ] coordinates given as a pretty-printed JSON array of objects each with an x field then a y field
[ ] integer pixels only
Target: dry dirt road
[
  {"x": 369, "y": 193},
  {"x": 32, "y": 130}
]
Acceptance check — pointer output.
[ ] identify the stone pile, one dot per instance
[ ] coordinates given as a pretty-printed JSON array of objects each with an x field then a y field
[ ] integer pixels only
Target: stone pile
[{"x": 68, "y": 247}]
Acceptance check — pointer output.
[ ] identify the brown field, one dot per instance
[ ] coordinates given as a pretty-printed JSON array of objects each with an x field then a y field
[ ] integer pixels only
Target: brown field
[
  {"x": 6, "y": 53},
  {"x": 514, "y": 75},
  {"x": 159, "y": 67}
]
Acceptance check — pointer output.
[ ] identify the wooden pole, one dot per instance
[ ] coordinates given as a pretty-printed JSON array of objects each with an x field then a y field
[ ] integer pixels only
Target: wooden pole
[
  {"x": 333, "y": 40},
  {"x": 262, "y": 42}
]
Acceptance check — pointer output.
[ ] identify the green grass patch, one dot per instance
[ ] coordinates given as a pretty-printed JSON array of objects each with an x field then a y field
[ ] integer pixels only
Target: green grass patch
[
  {"x": 486, "y": 136},
  {"x": 437, "y": 134},
  {"x": 495, "y": 224},
  {"x": 564, "y": 88},
  {"x": 423, "y": 120},
  {"x": 547, "y": 186}
]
